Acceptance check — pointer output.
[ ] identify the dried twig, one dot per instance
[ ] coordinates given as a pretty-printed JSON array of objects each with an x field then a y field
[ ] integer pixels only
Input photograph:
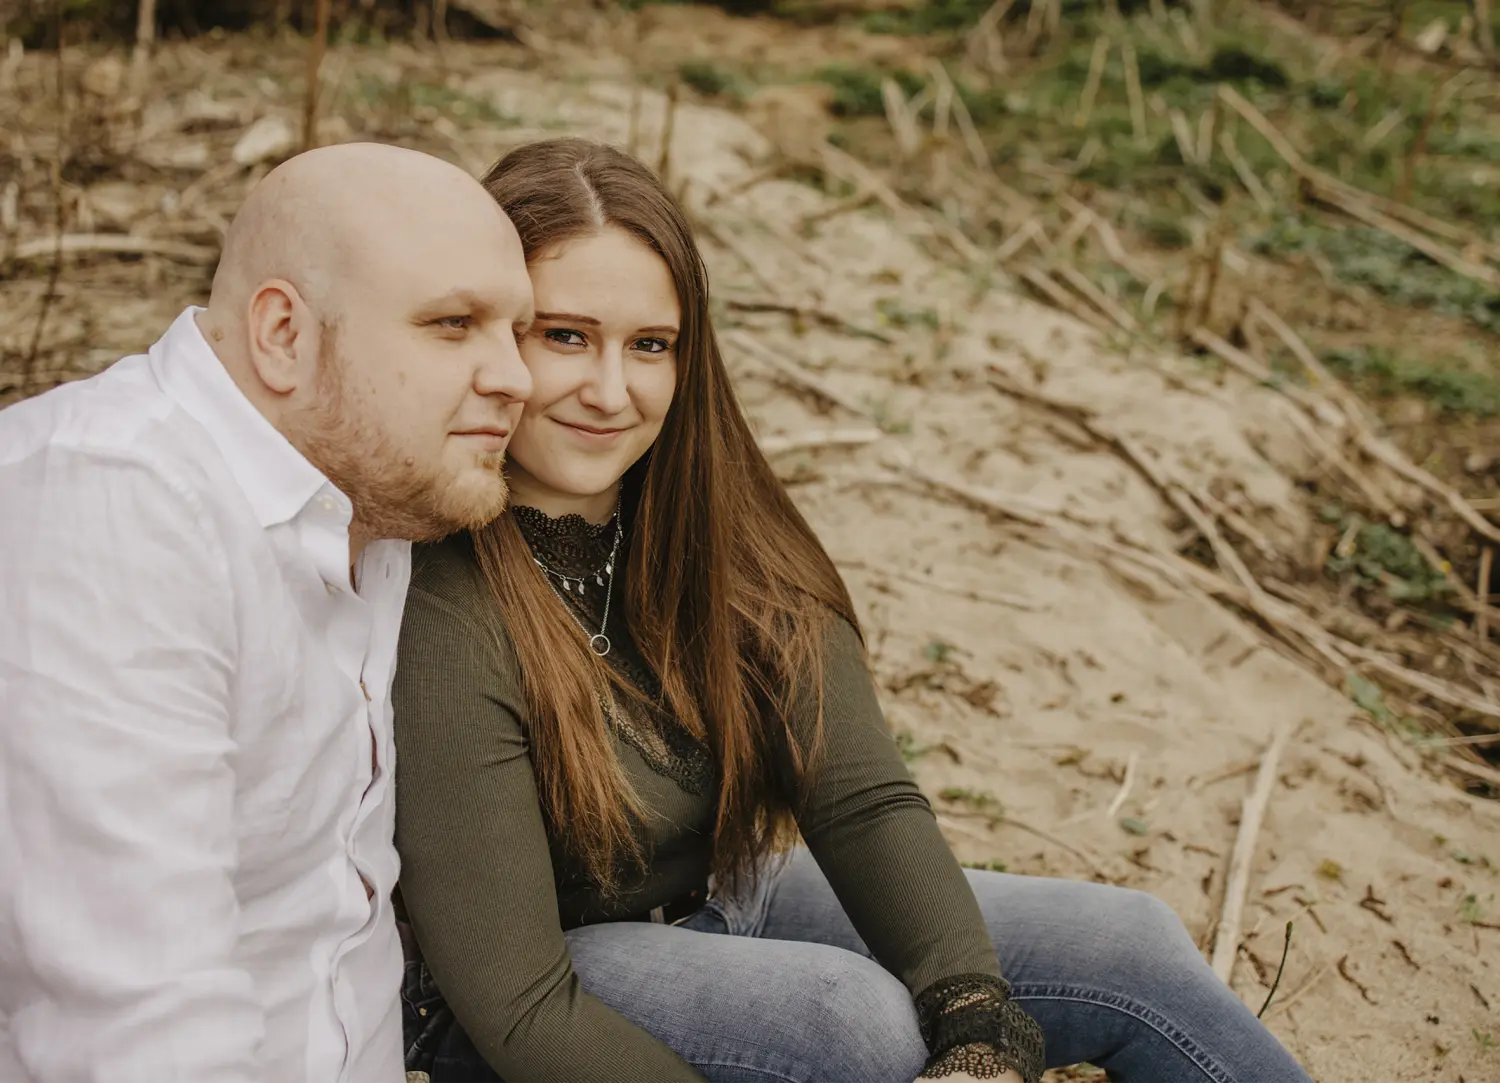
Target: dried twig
[
  {"x": 899, "y": 116},
  {"x": 721, "y": 236},
  {"x": 1358, "y": 204},
  {"x": 1090, "y": 860},
  {"x": 986, "y": 38},
  {"x": 1125, "y": 784},
  {"x": 1317, "y": 975},
  {"x": 1286, "y": 949},
  {"x": 1237, "y": 884},
  {"x": 124, "y": 244},
  {"x": 819, "y": 438},
  {"x": 964, "y": 120},
  {"x": 1010, "y": 601},
  {"x": 831, "y": 320},
  {"x": 1246, "y": 174},
  {"x": 1100, "y": 300},
  {"x": 1484, "y": 30},
  {"x": 1234, "y": 770},
  {"x": 1440, "y": 690},
  {"x": 795, "y": 374},
  {"x": 1382, "y": 451},
  {"x": 59, "y": 211},
  {"x": 1482, "y": 593},
  {"x": 1048, "y": 288},
  {"x": 1478, "y": 771},
  {"x": 1028, "y": 231},
  {"x": 1207, "y": 122},
  {"x": 1186, "y": 145},
  {"x": 1360, "y": 209},
  {"x": 845, "y": 166}
]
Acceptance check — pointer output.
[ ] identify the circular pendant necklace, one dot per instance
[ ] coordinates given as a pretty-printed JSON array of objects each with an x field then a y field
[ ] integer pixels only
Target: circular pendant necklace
[{"x": 598, "y": 641}]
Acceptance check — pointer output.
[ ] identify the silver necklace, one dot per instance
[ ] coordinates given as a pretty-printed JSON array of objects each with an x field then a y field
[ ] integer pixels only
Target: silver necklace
[{"x": 598, "y": 642}]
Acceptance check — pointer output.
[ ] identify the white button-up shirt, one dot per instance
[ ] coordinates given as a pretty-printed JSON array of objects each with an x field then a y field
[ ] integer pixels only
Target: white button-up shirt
[{"x": 196, "y": 806}]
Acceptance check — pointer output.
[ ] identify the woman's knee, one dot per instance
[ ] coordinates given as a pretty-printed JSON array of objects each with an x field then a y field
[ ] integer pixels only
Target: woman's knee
[
  {"x": 1147, "y": 924},
  {"x": 1061, "y": 931},
  {"x": 1140, "y": 938},
  {"x": 858, "y": 1018}
]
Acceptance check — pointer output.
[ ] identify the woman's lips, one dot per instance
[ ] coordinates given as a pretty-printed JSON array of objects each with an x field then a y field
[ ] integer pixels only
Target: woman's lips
[{"x": 590, "y": 433}]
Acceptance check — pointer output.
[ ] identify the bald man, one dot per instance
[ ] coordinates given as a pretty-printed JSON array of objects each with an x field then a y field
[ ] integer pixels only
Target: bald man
[{"x": 204, "y": 553}]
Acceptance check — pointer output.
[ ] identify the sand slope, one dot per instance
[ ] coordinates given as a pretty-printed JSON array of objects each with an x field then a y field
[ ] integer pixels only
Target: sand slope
[{"x": 1025, "y": 671}]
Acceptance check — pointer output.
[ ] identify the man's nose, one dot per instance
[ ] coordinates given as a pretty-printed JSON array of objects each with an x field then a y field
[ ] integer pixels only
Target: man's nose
[{"x": 503, "y": 373}]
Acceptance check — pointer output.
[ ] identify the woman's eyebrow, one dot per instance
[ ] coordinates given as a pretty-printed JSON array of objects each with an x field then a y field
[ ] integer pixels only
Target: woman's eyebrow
[
  {"x": 566, "y": 317},
  {"x": 661, "y": 329}
]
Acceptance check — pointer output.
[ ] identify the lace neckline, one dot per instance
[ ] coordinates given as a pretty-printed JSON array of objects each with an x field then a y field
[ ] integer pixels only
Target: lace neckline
[{"x": 569, "y": 544}]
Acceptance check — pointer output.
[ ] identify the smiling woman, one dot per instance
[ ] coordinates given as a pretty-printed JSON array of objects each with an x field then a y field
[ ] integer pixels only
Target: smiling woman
[
  {"x": 602, "y": 353},
  {"x": 620, "y": 703}
]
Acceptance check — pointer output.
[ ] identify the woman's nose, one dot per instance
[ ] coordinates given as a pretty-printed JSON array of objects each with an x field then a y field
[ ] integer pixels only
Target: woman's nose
[{"x": 606, "y": 390}]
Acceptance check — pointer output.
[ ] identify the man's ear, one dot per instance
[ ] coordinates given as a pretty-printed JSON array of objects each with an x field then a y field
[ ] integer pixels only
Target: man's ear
[{"x": 283, "y": 336}]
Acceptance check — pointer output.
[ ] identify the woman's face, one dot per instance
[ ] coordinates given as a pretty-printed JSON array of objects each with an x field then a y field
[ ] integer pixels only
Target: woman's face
[{"x": 603, "y": 359}]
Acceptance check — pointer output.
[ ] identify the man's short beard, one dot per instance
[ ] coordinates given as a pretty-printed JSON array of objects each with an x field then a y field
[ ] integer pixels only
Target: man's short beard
[{"x": 392, "y": 496}]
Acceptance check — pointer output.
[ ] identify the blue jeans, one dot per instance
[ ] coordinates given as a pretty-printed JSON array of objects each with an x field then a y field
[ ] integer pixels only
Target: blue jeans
[{"x": 777, "y": 987}]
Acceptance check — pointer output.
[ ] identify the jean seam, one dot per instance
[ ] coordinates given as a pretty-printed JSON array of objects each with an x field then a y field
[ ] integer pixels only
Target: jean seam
[
  {"x": 769, "y": 1073},
  {"x": 1195, "y": 1054}
]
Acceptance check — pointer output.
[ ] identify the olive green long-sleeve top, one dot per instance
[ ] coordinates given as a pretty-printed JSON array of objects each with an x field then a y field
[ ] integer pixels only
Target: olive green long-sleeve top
[{"x": 489, "y": 888}]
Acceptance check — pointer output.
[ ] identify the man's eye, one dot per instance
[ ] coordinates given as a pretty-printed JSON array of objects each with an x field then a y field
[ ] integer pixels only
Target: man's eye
[
  {"x": 565, "y": 337},
  {"x": 455, "y": 323}
]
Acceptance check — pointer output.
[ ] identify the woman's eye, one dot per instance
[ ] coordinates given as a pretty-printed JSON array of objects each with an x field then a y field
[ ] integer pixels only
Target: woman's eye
[
  {"x": 652, "y": 345},
  {"x": 564, "y": 337}
]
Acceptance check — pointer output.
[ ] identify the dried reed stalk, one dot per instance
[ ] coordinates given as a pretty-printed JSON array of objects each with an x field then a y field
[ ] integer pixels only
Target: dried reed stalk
[
  {"x": 1352, "y": 201},
  {"x": 1133, "y": 92},
  {"x": 1484, "y": 28},
  {"x": 669, "y": 123},
  {"x": 1246, "y": 174},
  {"x": 1482, "y": 593},
  {"x": 316, "y": 49},
  {"x": 1237, "y": 884},
  {"x": 145, "y": 39},
  {"x": 1091, "y": 84}
]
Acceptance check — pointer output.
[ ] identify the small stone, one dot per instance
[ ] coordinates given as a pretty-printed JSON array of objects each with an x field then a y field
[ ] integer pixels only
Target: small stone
[
  {"x": 184, "y": 155},
  {"x": 269, "y": 138},
  {"x": 104, "y": 77},
  {"x": 1431, "y": 39}
]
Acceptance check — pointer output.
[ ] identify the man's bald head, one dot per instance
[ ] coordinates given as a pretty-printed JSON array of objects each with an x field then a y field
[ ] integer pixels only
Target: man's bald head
[
  {"x": 367, "y": 303},
  {"x": 324, "y": 217}
]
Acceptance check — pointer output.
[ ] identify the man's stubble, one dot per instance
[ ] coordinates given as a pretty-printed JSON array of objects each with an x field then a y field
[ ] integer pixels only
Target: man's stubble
[{"x": 393, "y": 496}]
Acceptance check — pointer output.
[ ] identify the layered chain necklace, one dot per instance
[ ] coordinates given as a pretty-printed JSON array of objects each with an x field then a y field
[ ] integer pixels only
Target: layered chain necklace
[{"x": 603, "y": 576}]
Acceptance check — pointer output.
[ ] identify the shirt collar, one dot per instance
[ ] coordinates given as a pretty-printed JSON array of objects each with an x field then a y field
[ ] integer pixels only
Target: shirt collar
[{"x": 275, "y": 477}]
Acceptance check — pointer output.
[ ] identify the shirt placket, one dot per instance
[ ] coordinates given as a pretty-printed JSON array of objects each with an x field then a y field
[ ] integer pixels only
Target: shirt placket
[{"x": 349, "y": 639}]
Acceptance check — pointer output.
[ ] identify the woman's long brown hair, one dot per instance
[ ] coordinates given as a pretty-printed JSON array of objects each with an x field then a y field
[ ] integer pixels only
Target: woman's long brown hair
[{"x": 730, "y": 594}]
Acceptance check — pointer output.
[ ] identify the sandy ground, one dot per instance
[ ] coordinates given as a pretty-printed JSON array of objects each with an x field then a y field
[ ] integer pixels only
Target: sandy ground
[{"x": 1029, "y": 677}]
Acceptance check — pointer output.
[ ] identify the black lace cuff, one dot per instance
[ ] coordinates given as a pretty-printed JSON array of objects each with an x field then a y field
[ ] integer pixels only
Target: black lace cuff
[{"x": 970, "y": 1024}]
